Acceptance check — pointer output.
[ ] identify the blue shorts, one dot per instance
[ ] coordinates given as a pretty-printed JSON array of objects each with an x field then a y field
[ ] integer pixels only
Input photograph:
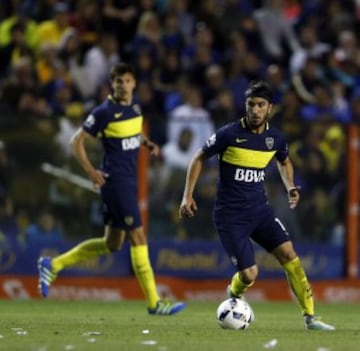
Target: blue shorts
[
  {"x": 120, "y": 203},
  {"x": 235, "y": 233}
]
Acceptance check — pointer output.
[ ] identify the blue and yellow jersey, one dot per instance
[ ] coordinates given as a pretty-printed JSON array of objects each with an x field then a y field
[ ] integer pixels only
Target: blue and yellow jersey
[
  {"x": 243, "y": 158},
  {"x": 119, "y": 128}
]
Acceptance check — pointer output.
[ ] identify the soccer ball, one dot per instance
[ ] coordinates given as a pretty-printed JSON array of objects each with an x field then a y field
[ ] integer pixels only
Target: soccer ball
[{"x": 234, "y": 314}]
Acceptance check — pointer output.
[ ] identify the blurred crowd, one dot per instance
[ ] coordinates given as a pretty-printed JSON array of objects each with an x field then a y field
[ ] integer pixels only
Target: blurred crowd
[{"x": 193, "y": 60}]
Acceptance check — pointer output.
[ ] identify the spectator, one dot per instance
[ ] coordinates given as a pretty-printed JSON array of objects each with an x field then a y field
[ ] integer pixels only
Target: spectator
[
  {"x": 52, "y": 30},
  {"x": 275, "y": 77},
  {"x": 214, "y": 83},
  {"x": 19, "y": 85},
  {"x": 99, "y": 59},
  {"x": 287, "y": 118},
  {"x": 63, "y": 94},
  {"x": 168, "y": 73},
  {"x": 185, "y": 17},
  {"x": 9, "y": 227},
  {"x": 47, "y": 64},
  {"x": 311, "y": 47},
  {"x": 22, "y": 17},
  {"x": 120, "y": 17},
  {"x": 16, "y": 48},
  {"x": 176, "y": 97},
  {"x": 232, "y": 17},
  {"x": 310, "y": 161},
  {"x": 191, "y": 115},
  {"x": 144, "y": 66},
  {"x": 172, "y": 38},
  {"x": 333, "y": 148},
  {"x": 87, "y": 23},
  {"x": 152, "y": 110},
  {"x": 71, "y": 58},
  {"x": 207, "y": 12},
  {"x": 68, "y": 124},
  {"x": 44, "y": 231},
  {"x": 147, "y": 38},
  {"x": 176, "y": 153},
  {"x": 323, "y": 216},
  {"x": 222, "y": 108},
  {"x": 199, "y": 54},
  {"x": 324, "y": 105},
  {"x": 307, "y": 80},
  {"x": 275, "y": 30}
]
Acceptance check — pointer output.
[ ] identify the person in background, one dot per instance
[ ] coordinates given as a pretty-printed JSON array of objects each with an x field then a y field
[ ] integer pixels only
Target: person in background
[{"x": 44, "y": 231}]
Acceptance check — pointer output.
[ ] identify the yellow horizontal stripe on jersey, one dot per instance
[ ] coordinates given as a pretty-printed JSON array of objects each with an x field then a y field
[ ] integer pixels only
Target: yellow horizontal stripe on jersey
[
  {"x": 124, "y": 129},
  {"x": 247, "y": 158}
]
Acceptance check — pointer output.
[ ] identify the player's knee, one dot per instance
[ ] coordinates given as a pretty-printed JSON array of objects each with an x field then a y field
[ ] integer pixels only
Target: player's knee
[
  {"x": 137, "y": 237},
  {"x": 286, "y": 256},
  {"x": 113, "y": 244},
  {"x": 285, "y": 253},
  {"x": 114, "y": 238}
]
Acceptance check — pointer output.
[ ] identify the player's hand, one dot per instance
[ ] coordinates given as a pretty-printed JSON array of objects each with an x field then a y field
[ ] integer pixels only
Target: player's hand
[
  {"x": 187, "y": 208},
  {"x": 294, "y": 196},
  {"x": 153, "y": 148},
  {"x": 98, "y": 178}
]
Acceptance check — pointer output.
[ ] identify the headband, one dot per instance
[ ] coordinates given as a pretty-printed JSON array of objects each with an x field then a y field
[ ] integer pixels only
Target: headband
[{"x": 267, "y": 95}]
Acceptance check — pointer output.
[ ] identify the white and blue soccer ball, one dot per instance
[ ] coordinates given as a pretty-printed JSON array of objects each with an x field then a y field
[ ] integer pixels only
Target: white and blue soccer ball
[{"x": 234, "y": 314}]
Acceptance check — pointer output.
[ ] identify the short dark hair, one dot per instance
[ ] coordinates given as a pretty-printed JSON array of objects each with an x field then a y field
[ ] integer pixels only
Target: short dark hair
[
  {"x": 121, "y": 68},
  {"x": 259, "y": 88}
]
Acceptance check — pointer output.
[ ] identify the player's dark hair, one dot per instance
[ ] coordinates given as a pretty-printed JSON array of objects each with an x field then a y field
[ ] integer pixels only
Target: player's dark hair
[
  {"x": 259, "y": 88},
  {"x": 121, "y": 68}
]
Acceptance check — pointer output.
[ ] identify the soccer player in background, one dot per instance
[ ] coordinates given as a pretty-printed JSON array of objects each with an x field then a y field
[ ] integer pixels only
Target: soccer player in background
[
  {"x": 118, "y": 124},
  {"x": 245, "y": 148}
]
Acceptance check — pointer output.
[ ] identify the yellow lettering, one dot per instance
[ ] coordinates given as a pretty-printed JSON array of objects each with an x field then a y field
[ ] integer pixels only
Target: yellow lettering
[{"x": 171, "y": 259}]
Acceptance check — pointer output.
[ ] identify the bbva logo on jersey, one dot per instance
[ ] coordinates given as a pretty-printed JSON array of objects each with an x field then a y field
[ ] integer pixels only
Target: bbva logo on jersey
[
  {"x": 249, "y": 175},
  {"x": 131, "y": 143}
]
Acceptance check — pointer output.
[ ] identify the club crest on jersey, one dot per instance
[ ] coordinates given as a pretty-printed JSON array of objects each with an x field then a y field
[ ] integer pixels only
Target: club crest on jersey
[
  {"x": 137, "y": 109},
  {"x": 129, "y": 220},
  {"x": 269, "y": 141}
]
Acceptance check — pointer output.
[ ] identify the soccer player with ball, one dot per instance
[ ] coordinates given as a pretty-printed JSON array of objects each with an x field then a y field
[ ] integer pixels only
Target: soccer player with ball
[{"x": 245, "y": 148}]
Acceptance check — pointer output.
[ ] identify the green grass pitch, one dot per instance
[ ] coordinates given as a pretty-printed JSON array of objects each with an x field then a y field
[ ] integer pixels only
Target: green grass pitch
[{"x": 46, "y": 325}]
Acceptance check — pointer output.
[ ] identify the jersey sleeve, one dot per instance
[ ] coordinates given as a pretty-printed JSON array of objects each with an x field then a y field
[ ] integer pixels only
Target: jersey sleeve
[
  {"x": 94, "y": 124},
  {"x": 282, "y": 150},
  {"x": 216, "y": 144}
]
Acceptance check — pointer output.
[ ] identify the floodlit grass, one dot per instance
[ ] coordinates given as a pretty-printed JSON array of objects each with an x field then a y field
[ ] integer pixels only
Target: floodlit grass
[{"x": 54, "y": 325}]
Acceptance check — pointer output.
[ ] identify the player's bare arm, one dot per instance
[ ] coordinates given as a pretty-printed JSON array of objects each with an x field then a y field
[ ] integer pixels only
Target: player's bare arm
[
  {"x": 188, "y": 205},
  {"x": 150, "y": 145},
  {"x": 78, "y": 142},
  {"x": 286, "y": 171}
]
